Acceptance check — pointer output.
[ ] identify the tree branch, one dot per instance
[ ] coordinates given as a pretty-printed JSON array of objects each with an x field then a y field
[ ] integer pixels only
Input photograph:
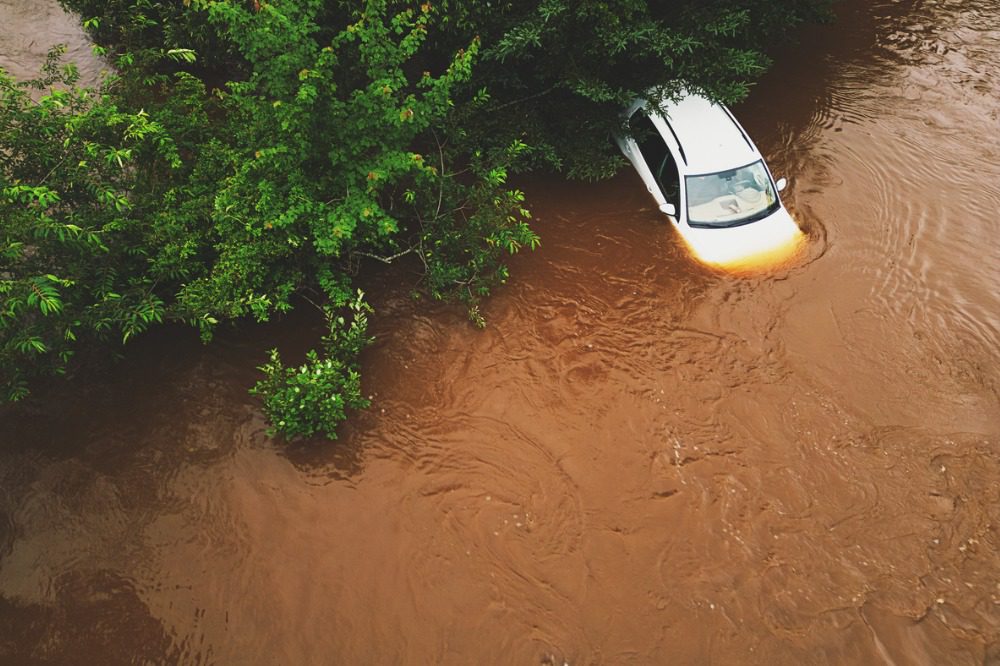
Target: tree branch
[
  {"x": 526, "y": 99},
  {"x": 386, "y": 260}
]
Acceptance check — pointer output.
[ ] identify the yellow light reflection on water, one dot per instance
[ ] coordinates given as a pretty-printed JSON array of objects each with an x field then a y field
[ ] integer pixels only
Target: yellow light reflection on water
[{"x": 750, "y": 249}]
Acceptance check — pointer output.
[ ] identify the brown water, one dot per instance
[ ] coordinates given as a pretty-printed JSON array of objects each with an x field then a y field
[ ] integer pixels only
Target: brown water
[
  {"x": 641, "y": 460},
  {"x": 29, "y": 28}
]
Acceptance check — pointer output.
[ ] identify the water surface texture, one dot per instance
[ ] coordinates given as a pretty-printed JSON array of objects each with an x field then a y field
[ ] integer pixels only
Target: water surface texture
[
  {"x": 30, "y": 28},
  {"x": 641, "y": 460}
]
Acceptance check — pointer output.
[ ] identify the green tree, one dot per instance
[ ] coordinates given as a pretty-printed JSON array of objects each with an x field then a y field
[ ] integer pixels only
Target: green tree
[
  {"x": 73, "y": 259},
  {"x": 330, "y": 146},
  {"x": 338, "y": 152}
]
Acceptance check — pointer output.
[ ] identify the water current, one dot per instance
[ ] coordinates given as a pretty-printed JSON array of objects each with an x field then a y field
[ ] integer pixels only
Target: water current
[
  {"x": 31, "y": 28},
  {"x": 641, "y": 460}
]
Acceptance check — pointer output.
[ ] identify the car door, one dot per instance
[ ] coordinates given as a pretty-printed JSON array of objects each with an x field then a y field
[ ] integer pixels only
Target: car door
[
  {"x": 646, "y": 151},
  {"x": 668, "y": 180}
]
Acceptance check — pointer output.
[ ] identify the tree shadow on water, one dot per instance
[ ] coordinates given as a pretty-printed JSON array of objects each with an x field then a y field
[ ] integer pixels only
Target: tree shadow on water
[
  {"x": 97, "y": 617},
  {"x": 323, "y": 460}
]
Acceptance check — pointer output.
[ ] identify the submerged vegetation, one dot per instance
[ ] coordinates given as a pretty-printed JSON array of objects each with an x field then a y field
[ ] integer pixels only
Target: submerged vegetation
[{"x": 248, "y": 155}]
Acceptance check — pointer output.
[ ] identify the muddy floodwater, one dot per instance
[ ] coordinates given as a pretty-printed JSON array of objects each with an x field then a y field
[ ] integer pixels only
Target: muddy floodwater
[
  {"x": 640, "y": 461},
  {"x": 30, "y": 28}
]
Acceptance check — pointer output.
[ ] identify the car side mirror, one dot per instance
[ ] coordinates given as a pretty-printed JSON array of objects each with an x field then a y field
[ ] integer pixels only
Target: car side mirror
[
  {"x": 668, "y": 209},
  {"x": 781, "y": 184}
]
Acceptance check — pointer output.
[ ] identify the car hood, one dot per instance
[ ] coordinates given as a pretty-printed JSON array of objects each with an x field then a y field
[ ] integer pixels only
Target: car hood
[{"x": 772, "y": 240}]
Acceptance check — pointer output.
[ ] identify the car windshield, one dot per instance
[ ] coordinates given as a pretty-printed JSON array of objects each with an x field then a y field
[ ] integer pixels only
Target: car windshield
[{"x": 730, "y": 198}]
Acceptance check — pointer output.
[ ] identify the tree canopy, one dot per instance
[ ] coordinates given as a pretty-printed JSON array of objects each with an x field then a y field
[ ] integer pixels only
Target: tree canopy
[{"x": 247, "y": 155}]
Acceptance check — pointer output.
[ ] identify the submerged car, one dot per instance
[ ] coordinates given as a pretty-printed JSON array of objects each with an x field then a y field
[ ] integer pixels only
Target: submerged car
[{"x": 708, "y": 177}]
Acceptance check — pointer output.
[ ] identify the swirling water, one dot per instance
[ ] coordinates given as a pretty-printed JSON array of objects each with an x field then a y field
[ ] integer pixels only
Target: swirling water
[{"x": 640, "y": 460}]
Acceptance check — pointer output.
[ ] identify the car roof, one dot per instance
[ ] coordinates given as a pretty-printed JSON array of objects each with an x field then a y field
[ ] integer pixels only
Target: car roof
[{"x": 710, "y": 138}]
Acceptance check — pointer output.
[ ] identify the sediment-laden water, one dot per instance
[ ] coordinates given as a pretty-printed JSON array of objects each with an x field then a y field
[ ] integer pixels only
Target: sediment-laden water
[
  {"x": 641, "y": 460},
  {"x": 30, "y": 28}
]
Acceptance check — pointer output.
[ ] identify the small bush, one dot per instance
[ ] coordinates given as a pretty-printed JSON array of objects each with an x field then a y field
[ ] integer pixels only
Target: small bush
[{"x": 314, "y": 397}]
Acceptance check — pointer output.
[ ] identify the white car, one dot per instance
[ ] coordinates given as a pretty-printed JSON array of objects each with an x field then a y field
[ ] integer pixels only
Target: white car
[{"x": 709, "y": 178}]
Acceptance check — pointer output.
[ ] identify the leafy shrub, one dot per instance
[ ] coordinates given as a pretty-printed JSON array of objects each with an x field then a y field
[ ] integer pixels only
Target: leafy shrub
[
  {"x": 314, "y": 397},
  {"x": 74, "y": 248}
]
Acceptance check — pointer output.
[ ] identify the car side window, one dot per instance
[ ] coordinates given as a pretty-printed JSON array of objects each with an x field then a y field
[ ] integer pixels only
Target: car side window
[
  {"x": 669, "y": 180},
  {"x": 657, "y": 156},
  {"x": 649, "y": 140}
]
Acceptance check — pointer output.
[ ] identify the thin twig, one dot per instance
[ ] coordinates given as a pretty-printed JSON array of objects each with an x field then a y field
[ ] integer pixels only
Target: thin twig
[
  {"x": 386, "y": 260},
  {"x": 437, "y": 213},
  {"x": 525, "y": 99},
  {"x": 315, "y": 304},
  {"x": 59, "y": 164}
]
